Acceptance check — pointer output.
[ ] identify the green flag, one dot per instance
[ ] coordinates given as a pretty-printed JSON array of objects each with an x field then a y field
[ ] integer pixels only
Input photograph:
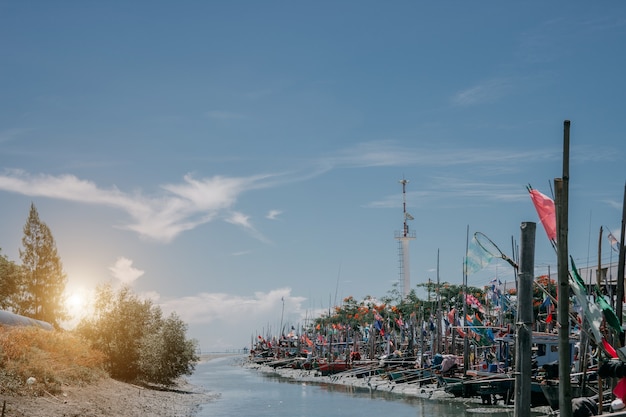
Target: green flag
[
  {"x": 591, "y": 311},
  {"x": 609, "y": 314}
]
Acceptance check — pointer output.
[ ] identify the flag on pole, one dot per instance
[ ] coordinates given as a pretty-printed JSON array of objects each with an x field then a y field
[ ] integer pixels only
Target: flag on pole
[
  {"x": 477, "y": 258},
  {"x": 591, "y": 311},
  {"x": 546, "y": 211},
  {"x": 613, "y": 241},
  {"x": 609, "y": 314}
]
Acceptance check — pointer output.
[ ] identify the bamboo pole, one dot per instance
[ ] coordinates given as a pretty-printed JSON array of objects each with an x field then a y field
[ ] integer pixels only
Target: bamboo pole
[
  {"x": 523, "y": 360},
  {"x": 438, "y": 316},
  {"x": 465, "y": 338},
  {"x": 598, "y": 283},
  {"x": 561, "y": 186},
  {"x": 619, "y": 303}
]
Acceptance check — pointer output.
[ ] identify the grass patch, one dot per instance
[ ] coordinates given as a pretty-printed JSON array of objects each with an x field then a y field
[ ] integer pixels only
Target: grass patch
[{"x": 52, "y": 358}]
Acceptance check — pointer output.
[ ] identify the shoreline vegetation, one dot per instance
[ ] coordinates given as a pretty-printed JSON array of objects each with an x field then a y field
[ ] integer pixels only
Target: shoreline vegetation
[{"x": 109, "y": 397}]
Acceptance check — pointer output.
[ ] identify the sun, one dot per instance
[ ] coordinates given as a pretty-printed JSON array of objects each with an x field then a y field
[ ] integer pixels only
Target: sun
[
  {"x": 74, "y": 302},
  {"x": 76, "y": 305}
]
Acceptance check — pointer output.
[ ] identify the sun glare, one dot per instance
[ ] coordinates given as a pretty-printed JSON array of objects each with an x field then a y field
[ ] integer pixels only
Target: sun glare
[
  {"x": 74, "y": 302},
  {"x": 77, "y": 306}
]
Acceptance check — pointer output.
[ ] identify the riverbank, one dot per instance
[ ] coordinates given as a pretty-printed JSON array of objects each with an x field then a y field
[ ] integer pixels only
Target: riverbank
[
  {"x": 110, "y": 398},
  {"x": 376, "y": 383}
]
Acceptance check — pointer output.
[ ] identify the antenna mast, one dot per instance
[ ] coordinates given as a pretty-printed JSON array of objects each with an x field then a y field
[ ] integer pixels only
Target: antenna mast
[{"x": 403, "y": 238}]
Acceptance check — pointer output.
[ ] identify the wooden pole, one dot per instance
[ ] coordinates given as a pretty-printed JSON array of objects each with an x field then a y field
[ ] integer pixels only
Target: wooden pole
[
  {"x": 599, "y": 270},
  {"x": 438, "y": 326},
  {"x": 619, "y": 302},
  {"x": 598, "y": 283},
  {"x": 561, "y": 186},
  {"x": 465, "y": 338},
  {"x": 523, "y": 360}
]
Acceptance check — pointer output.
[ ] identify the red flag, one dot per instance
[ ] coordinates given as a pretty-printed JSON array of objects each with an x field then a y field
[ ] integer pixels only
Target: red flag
[
  {"x": 451, "y": 316},
  {"x": 609, "y": 349},
  {"x": 549, "y": 318},
  {"x": 546, "y": 211}
]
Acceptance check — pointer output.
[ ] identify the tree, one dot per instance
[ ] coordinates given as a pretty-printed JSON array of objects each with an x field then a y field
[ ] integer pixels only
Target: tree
[
  {"x": 117, "y": 327},
  {"x": 138, "y": 343},
  {"x": 44, "y": 279},
  {"x": 10, "y": 281},
  {"x": 165, "y": 353}
]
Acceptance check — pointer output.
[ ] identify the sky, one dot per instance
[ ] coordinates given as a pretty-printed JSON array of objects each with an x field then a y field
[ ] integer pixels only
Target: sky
[{"x": 238, "y": 163}]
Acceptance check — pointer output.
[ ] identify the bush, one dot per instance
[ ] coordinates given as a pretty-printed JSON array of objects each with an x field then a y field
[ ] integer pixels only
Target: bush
[
  {"x": 138, "y": 343},
  {"x": 51, "y": 357},
  {"x": 165, "y": 353}
]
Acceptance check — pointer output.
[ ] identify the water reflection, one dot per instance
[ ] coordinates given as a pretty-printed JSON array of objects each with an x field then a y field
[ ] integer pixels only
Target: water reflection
[{"x": 246, "y": 392}]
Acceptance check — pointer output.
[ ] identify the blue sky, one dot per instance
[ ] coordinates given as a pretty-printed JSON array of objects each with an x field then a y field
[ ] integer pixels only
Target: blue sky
[{"x": 229, "y": 158}]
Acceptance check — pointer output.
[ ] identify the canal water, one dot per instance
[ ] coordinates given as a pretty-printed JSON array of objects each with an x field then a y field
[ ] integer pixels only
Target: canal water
[{"x": 249, "y": 392}]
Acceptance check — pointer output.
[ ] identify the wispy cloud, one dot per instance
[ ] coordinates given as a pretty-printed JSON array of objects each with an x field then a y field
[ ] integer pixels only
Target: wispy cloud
[
  {"x": 177, "y": 207},
  {"x": 457, "y": 191},
  {"x": 390, "y": 153},
  {"x": 181, "y": 207},
  {"x": 273, "y": 214},
  {"x": 488, "y": 91},
  {"x": 242, "y": 220},
  {"x": 124, "y": 271}
]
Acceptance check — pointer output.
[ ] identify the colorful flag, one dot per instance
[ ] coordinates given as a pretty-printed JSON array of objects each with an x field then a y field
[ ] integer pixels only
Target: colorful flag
[
  {"x": 614, "y": 242},
  {"x": 609, "y": 314},
  {"x": 609, "y": 349},
  {"x": 477, "y": 258},
  {"x": 546, "y": 211},
  {"x": 452, "y": 315},
  {"x": 591, "y": 311}
]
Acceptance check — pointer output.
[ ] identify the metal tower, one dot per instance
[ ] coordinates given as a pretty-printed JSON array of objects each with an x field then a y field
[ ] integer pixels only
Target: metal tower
[{"x": 403, "y": 238}]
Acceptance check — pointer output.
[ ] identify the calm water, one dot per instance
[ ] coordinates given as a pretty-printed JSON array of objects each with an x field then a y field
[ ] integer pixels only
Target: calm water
[{"x": 248, "y": 392}]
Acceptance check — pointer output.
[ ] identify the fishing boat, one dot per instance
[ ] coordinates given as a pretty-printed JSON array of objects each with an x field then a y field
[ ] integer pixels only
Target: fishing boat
[{"x": 326, "y": 367}]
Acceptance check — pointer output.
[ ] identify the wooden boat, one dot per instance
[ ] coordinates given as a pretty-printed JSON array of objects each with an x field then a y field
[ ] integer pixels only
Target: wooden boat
[
  {"x": 328, "y": 368},
  {"x": 486, "y": 385},
  {"x": 421, "y": 375}
]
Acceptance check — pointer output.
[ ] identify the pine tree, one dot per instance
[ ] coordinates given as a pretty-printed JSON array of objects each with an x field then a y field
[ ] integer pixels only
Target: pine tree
[
  {"x": 44, "y": 279},
  {"x": 10, "y": 281}
]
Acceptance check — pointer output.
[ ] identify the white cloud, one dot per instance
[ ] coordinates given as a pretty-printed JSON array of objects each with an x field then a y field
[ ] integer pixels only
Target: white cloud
[
  {"x": 486, "y": 92},
  {"x": 242, "y": 220},
  {"x": 124, "y": 271},
  {"x": 273, "y": 214},
  {"x": 214, "y": 317},
  {"x": 181, "y": 207}
]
